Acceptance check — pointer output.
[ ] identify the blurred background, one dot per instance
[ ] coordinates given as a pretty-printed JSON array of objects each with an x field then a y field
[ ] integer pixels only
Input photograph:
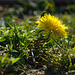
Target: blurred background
[{"x": 21, "y": 8}]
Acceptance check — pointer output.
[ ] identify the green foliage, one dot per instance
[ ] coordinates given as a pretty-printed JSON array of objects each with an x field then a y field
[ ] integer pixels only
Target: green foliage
[
  {"x": 22, "y": 44},
  {"x": 2, "y": 61}
]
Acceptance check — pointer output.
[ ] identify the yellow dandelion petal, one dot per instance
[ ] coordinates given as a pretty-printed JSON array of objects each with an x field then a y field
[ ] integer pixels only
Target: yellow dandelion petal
[{"x": 52, "y": 26}]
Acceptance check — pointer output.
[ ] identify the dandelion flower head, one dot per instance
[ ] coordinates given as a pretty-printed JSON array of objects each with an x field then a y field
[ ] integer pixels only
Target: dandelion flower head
[{"x": 52, "y": 26}]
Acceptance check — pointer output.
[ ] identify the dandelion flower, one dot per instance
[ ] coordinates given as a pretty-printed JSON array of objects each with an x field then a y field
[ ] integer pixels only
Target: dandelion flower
[{"x": 52, "y": 26}]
